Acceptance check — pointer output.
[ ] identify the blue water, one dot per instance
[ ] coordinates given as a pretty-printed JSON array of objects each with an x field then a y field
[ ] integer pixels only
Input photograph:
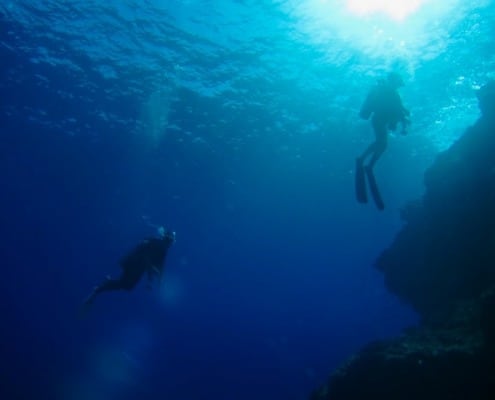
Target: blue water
[{"x": 235, "y": 124}]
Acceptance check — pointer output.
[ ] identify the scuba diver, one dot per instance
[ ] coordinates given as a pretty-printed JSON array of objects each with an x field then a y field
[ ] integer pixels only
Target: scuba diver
[
  {"x": 147, "y": 257},
  {"x": 384, "y": 105}
]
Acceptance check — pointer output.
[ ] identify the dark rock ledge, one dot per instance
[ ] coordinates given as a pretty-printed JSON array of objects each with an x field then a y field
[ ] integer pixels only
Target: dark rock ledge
[{"x": 442, "y": 263}]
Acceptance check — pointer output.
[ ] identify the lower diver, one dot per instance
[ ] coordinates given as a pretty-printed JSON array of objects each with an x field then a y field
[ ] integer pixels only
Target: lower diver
[{"x": 147, "y": 257}]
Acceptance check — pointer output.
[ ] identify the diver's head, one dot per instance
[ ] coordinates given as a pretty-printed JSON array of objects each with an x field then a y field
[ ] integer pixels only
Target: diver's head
[
  {"x": 169, "y": 237},
  {"x": 486, "y": 98},
  {"x": 166, "y": 235},
  {"x": 395, "y": 80}
]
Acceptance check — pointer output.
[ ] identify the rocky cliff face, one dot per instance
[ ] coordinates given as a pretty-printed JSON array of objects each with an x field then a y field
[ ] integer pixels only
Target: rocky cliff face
[
  {"x": 446, "y": 251},
  {"x": 443, "y": 264}
]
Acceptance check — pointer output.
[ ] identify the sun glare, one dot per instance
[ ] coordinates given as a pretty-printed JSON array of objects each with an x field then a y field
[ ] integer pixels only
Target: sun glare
[
  {"x": 393, "y": 30},
  {"x": 394, "y": 9}
]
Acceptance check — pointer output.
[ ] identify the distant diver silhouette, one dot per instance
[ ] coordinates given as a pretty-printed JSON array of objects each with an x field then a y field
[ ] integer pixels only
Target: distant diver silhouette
[
  {"x": 384, "y": 105},
  {"x": 147, "y": 257}
]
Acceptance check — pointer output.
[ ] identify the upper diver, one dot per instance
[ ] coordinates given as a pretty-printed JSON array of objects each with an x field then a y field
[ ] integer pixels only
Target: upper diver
[
  {"x": 147, "y": 257},
  {"x": 384, "y": 105}
]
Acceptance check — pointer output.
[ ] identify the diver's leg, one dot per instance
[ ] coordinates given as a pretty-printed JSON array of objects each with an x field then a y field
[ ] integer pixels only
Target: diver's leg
[
  {"x": 380, "y": 149},
  {"x": 380, "y": 144},
  {"x": 378, "y": 128},
  {"x": 366, "y": 153},
  {"x": 127, "y": 281},
  {"x": 108, "y": 285},
  {"x": 130, "y": 277}
]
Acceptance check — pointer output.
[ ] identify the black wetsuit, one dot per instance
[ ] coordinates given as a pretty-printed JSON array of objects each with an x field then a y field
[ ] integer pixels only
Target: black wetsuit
[
  {"x": 149, "y": 256},
  {"x": 385, "y": 104}
]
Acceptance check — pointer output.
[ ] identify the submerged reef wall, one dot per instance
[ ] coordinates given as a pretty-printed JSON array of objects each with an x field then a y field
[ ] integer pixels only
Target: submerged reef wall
[
  {"x": 442, "y": 263},
  {"x": 445, "y": 253}
]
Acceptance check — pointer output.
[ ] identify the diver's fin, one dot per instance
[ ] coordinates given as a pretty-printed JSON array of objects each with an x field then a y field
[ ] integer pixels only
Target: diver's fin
[
  {"x": 360, "y": 182},
  {"x": 375, "y": 193}
]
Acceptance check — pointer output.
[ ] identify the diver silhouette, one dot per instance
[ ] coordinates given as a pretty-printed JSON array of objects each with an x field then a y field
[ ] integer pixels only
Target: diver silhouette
[
  {"x": 384, "y": 105},
  {"x": 147, "y": 257}
]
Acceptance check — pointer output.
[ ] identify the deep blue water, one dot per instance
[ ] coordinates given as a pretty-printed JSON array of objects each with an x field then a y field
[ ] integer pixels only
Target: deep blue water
[{"x": 234, "y": 124}]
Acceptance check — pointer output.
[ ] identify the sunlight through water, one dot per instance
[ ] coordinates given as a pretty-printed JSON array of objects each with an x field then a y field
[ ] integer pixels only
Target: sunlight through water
[
  {"x": 395, "y": 9},
  {"x": 410, "y": 31}
]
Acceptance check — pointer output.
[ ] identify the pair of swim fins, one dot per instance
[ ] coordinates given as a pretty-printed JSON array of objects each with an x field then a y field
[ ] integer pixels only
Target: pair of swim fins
[{"x": 362, "y": 173}]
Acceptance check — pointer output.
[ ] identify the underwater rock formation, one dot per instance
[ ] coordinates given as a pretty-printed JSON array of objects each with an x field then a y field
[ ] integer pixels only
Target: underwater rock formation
[
  {"x": 436, "y": 364},
  {"x": 442, "y": 263},
  {"x": 454, "y": 362},
  {"x": 446, "y": 251}
]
